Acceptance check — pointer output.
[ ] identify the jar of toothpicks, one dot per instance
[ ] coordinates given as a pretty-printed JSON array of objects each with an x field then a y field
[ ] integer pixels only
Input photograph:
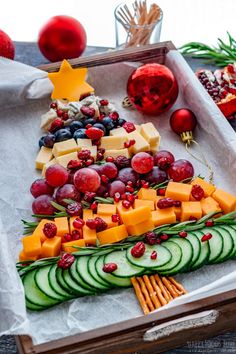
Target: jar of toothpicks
[{"x": 137, "y": 23}]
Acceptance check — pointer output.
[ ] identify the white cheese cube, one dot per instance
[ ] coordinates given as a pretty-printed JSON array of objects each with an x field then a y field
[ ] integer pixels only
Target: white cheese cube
[
  {"x": 113, "y": 142},
  {"x": 150, "y": 133},
  {"x": 138, "y": 127},
  {"x": 115, "y": 153},
  {"x": 118, "y": 131},
  {"x": 64, "y": 147},
  {"x": 44, "y": 156},
  {"x": 83, "y": 143},
  {"x": 64, "y": 159},
  {"x": 141, "y": 144}
]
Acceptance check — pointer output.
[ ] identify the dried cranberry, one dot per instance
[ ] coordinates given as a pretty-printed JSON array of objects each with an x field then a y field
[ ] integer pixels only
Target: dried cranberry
[
  {"x": 209, "y": 223},
  {"x": 165, "y": 203},
  {"x": 101, "y": 224},
  {"x": 122, "y": 162},
  {"x": 94, "y": 133},
  {"x": 99, "y": 156},
  {"x": 50, "y": 230},
  {"x": 102, "y": 151},
  {"x": 114, "y": 115},
  {"x": 87, "y": 111},
  {"x": 104, "y": 102},
  {"x": 56, "y": 125},
  {"x": 206, "y": 237},
  {"x": 91, "y": 223},
  {"x": 74, "y": 209},
  {"x": 183, "y": 234},
  {"x": 84, "y": 154},
  {"x": 78, "y": 223},
  {"x": 66, "y": 261},
  {"x": 74, "y": 164},
  {"x": 129, "y": 127},
  {"x": 150, "y": 238},
  {"x": 115, "y": 218},
  {"x": 192, "y": 218},
  {"x": 126, "y": 204},
  {"x": 109, "y": 267},
  {"x": 153, "y": 255},
  {"x": 197, "y": 192},
  {"x": 138, "y": 250}
]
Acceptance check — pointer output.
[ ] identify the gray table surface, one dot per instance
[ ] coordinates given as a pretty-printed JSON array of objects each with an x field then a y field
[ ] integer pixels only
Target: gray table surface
[{"x": 28, "y": 53}]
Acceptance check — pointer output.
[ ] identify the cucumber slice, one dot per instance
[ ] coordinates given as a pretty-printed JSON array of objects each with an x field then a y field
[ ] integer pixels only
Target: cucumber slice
[
  {"x": 42, "y": 282},
  {"x": 92, "y": 270},
  {"x": 187, "y": 253},
  {"x": 33, "y": 294},
  {"x": 75, "y": 274},
  {"x": 228, "y": 244},
  {"x": 78, "y": 289},
  {"x": 176, "y": 252},
  {"x": 196, "y": 245},
  {"x": 204, "y": 253},
  {"x": 163, "y": 257},
  {"x": 125, "y": 269},
  {"x": 232, "y": 230},
  {"x": 216, "y": 243},
  {"x": 82, "y": 269},
  {"x": 55, "y": 285},
  {"x": 32, "y": 307},
  {"x": 108, "y": 277}
]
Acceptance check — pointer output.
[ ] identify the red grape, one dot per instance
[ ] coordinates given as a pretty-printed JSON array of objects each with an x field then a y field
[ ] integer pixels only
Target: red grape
[
  {"x": 42, "y": 205},
  {"x": 155, "y": 176},
  {"x": 56, "y": 175},
  {"x": 68, "y": 191},
  {"x": 163, "y": 159},
  {"x": 128, "y": 174},
  {"x": 180, "y": 170},
  {"x": 97, "y": 168},
  {"x": 87, "y": 180},
  {"x": 39, "y": 187},
  {"x": 109, "y": 169},
  {"x": 142, "y": 162},
  {"x": 116, "y": 186}
]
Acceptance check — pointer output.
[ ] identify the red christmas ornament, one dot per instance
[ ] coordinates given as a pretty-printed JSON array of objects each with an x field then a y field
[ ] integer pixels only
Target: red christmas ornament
[
  {"x": 7, "y": 48},
  {"x": 183, "y": 122},
  {"x": 62, "y": 37},
  {"x": 152, "y": 88}
]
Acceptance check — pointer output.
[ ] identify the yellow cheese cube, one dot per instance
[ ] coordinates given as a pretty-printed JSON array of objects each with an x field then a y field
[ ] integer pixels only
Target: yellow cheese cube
[
  {"x": 150, "y": 133},
  {"x": 51, "y": 247},
  {"x": 62, "y": 225},
  {"x": 226, "y": 200},
  {"x": 140, "y": 202},
  {"x": 114, "y": 153},
  {"x": 50, "y": 163},
  {"x": 118, "y": 131},
  {"x": 190, "y": 209},
  {"x": 89, "y": 236},
  {"x": 140, "y": 228},
  {"x": 68, "y": 246},
  {"x": 106, "y": 209},
  {"x": 43, "y": 157},
  {"x": 141, "y": 144},
  {"x": 178, "y": 191},
  {"x": 39, "y": 229},
  {"x": 113, "y": 142},
  {"x": 83, "y": 143},
  {"x": 147, "y": 194},
  {"x": 207, "y": 187},
  {"x": 31, "y": 245},
  {"x": 64, "y": 147},
  {"x": 87, "y": 214},
  {"x": 163, "y": 216},
  {"x": 65, "y": 159},
  {"x": 134, "y": 216},
  {"x": 115, "y": 234},
  {"x": 23, "y": 257},
  {"x": 209, "y": 205}
]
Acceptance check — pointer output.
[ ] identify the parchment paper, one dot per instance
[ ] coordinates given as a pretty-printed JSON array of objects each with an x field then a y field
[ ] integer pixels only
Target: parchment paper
[{"x": 24, "y": 96}]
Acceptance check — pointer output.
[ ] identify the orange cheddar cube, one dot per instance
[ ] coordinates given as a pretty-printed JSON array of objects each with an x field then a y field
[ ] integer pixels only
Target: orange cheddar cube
[
  {"x": 39, "y": 229},
  {"x": 163, "y": 216},
  {"x": 31, "y": 245},
  {"x": 51, "y": 247},
  {"x": 226, "y": 200},
  {"x": 178, "y": 191},
  {"x": 106, "y": 209},
  {"x": 62, "y": 226},
  {"x": 68, "y": 246},
  {"x": 89, "y": 236},
  {"x": 190, "y": 209},
  {"x": 23, "y": 257},
  {"x": 140, "y": 228},
  {"x": 147, "y": 194},
  {"x": 107, "y": 219},
  {"x": 87, "y": 214},
  {"x": 140, "y": 202},
  {"x": 134, "y": 216},
  {"x": 112, "y": 235},
  {"x": 209, "y": 205},
  {"x": 207, "y": 187},
  {"x": 121, "y": 210}
]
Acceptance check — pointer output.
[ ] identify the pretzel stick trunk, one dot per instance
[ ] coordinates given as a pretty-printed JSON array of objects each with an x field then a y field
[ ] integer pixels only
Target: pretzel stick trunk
[{"x": 140, "y": 296}]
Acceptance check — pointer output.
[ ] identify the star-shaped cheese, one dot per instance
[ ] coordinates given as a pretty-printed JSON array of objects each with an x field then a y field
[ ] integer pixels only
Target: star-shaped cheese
[{"x": 69, "y": 83}]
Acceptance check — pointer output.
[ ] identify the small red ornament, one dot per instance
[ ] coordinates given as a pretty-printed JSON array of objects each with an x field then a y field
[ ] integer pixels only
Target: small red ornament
[
  {"x": 7, "y": 48},
  {"x": 62, "y": 37},
  {"x": 152, "y": 88},
  {"x": 183, "y": 122}
]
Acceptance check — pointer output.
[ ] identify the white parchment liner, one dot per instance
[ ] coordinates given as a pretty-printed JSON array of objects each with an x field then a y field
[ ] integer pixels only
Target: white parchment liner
[{"x": 22, "y": 89}]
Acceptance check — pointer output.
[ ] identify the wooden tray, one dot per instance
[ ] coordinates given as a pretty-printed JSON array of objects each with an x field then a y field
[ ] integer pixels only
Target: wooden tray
[{"x": 213, "y": 315}]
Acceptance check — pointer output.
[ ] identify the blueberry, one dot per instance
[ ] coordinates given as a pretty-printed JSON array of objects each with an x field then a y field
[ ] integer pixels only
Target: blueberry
[
  {"x": 62, "y": 134},
  {"x": 75, "y": 125},
  {"x": 41, "y": 141},
  {"x": 89, "y": 121},
  {"x": 49, "y": 140},
  {"x": 108, "y": 123},
  {"x": 80, "y": 134},
  {"x": 100, "y": 126},
  {"x": 121, "y": 121}
]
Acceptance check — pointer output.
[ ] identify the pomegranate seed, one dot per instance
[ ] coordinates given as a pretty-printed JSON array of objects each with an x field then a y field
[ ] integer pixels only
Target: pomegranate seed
[
  {"x": 78, "y": 223},
  {"x": 87, "y": 111},
  {"x": 94, "y": 206},
  {"x": 76, "y": 235},
  {"x": 129, "y": 127},
  {"x": 130, "y": 198},
  {"x": 104, "y": 102},
  {"x": 197, "y": 192},
  {"x": 164, "y": 237},
  {"x": 59, "y": 113},
  {"x": 102, "y": 151},
  {"x": 56, "y": 124},
  {"x": 153, "y": 255},
  {"x": 206, "y": 237},
  {"x": 130, "y": 183},
  {"x": 165, "y": 203},
  {"x": 115, "y": 218},
  {"x": 100, "y": 118},
  {"x": 94, "y": 133},
  {"x": 101, "y": 225},
  {"x": 132, "y": 142},
  {"x": 109, "y": 267},
  {"x": 126, "y": 204},
  {"x": 74, "y": 209},
  {"x": 106, "y": 195},
  {"x": 117, "y": 197},
  {"x": 129, "y": 189},
  {"x": 88, "y": 126},
  {"x": 66, "y": 261},
  {"x": 89, "y": 162},
  {"x": 209, "y": 223},
  {"x": 104, "y": 179},
  {"x": 145, "y": 184},
  {"x": 126, "y": 144},
  {"x": 161, "y": 191},
  {"x": 150, "y": 238},
  {"x": 138, "y": 250},
  {"x": 99, "y": 156},
  {"x": 50, "y": 230},
  {"x": 183, "y": 234},
  {"x": 84, "y": 154},
  {"x": 110, "y": 159},
  {"x": 65, "y": 116},
  {"x": 158, "y": 241},
  {"x": 53, "y": 105},
  {"x": 114, "y": 115},
  {"x": 74, "y": 164},
  {"x": 192, "y": 218},
  {"x": 123, "y": 197},
  {"x": 67, "y": 238},
  {"x": 89, "y": 196},
  {"x": 91, "y": 223}
]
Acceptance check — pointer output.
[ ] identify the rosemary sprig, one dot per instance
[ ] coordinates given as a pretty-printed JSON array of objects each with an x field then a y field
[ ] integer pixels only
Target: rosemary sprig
[{"x": 107, "y": 200}]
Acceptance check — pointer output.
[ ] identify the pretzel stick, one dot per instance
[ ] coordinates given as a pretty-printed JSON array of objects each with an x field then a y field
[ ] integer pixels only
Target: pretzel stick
[
  {"x": 152, "y": 293},
  {"x": 170, "y": 287},
  {"x": 161, "y": 298},
  {"x": 178, "y": 285},
  {"x": 166, "y": 294},
  {"x": 140, "y": 296},
  {"x": 146, "y": 295}
]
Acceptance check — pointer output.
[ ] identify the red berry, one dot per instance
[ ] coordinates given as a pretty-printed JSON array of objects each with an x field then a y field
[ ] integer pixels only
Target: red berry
[
  {"x": 76, "y": 235},
  {"x": 164, "y": 237},
  {"x": 42, "y": 205},
  {"x": 138, "y": 249},
  {"x": 59, "y": 113},
  {"x": 104, "y": 179},
  {"x": 99, "y": 156},
  {"x": 53, "y": 105},
  {"x": 101, "y": 225},
  {"x": 84, "y": 154},
  {"x": 39, "y": 187},
  {"x": 87, "y": 180},
  {"x": 56, "y": 125},
  {"x": 183, "y": 234},
  {"x": 78, "y": 223},
  {"x": 209, "y": 223},
  {"x": 197, "y": 192},
  {"x": 231, "y": 68},
  {"x": 117, "y": 197},
  {"x": 153, "y": 255},
  {"x": 144, "y": 184},
  {"x": 206, "y": 237},
  {"x": 67, "y": 238},
  {"x": 102, "y": 151},
  {"x": 109, "y": 267},
  {"x": 110, "y": 159},
  {"x": 65, "y": 116},
  {"x": 74, "y": 164},
  {"x": 89, "y": 196},
  {"x": 161, "y": 191},
  {"x": 150, "y": 238},
  {"x": 142, "y": 162},
  {"x": 89, "y": 162},
  {"x": 129, "y": 127},
  {"x": 94, "y": 206},
  {"x": 165, "y": 203},
  {"x": 129, "y": 189},
  {"x": 56, "y": 175},
  {"x": 66, "y": 261},
  {"x": 126, "y": 204},
  {"x": 74, "y": 209},
  {"x": 115, "y": 218},
  {"x": 114, "y": 115},
  {"x": 94, "y": 133},
  {"x": 104, "y": 102},
  {"x": 87, "y": 111},
  {"x": 50, "y": 230},
  {"x": 91, "y": 223}
]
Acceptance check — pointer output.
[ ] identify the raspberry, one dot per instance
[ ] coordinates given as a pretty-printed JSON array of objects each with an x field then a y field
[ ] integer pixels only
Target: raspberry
[
  {"x": 74, "y": 209},
  {"x": 122, "y": 162},
  {"x": 150, "y": 238},
  {"x": 74, "y": 164},
  {"x": 129, "y": 127},
  {"x": 56, "y": 125},
  {"x": 66, "y": 261},
  {"x": 94, "y": 133},
  {"x": 138, "y": 250},
  {"x": 197, "y": 192},
  {"x": 104, "y": 102},
  {"x": 84, "y": 154},
  {"x": 87, "y": 111},
  {"x": 101, "y": 225},
  {"x": 109, "y": 267},
  {"x": 50, "y": 230},
  {"x": 114, "y": 115}
]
